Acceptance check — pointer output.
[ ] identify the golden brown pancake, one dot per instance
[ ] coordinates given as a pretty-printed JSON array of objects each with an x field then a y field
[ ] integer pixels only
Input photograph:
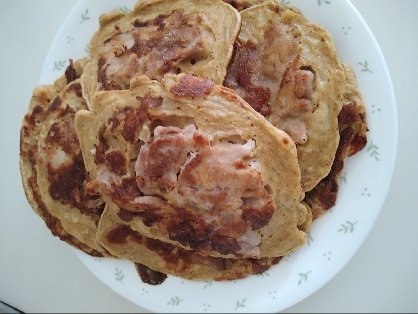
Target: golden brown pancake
[
  {"x": 40, "y": 103},
  {"x": 125, "y": 243},
  {"x": 288, "y": 70},
  {"x": 192, "y": 164},
  {"x": 352, "y": 127},
  {"x": 160, "y": 37},
  {"x": 177, "y": 172},
  {"x": 243, "y": 4},
  {"x": 60, "y": 167}
]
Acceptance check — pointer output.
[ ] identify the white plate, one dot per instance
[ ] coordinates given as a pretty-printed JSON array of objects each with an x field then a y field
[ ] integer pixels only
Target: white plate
[{"x": 333, "y": 239}]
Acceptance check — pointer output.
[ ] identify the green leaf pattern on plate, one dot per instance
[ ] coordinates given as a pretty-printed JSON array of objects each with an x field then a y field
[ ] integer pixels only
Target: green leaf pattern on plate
[
  {"x": 85, "y": 17},
  {"x": 303, "y": 277},
  {"x": 208, "y": 283},
  {"x": 373, "y": 150},
  {"x": 119, "y": 276},
  {"x": 58, "y": 65},
  {"x": 343, "y": 177},
  {"x": 323, "y": 1},
  {"x": 240, "y": 304},
  {"x": 365, "y": 67},
  {"x": 175, "y": 301},
  {"x": 348, "y": 227},
  {"x": 310, "y": 239},
  {"x": 263, "y": 274},
  {"x": 124, "y": 9}
]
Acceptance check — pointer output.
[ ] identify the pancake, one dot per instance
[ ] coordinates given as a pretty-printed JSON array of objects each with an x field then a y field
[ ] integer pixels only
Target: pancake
[
  {"x": 61, "y": 174},
  {"x": 353, "y": 128},
  {"x": 288, "y": 70},
  {"x": 122, "y": 241},
  {"x": 192, "y": 164},
  {"x": 243, "y": 4},
  {"x": 160, "y": 37},
  {"x": 31, "y": 128}
]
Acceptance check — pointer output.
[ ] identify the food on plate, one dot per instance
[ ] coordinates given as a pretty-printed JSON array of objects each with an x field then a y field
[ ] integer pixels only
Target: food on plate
[
  {"x": 243, "y": 4},
  {"x": 288, "y": 70},
  {"x": 158, "y": 37},
  {"x": 200, "y": 139},
  {"x": 122, "y": 241},
  {"x": 52, "y": 166},
  {"x": 352, "y": 128},
  {"x": 194, "y": 165}
]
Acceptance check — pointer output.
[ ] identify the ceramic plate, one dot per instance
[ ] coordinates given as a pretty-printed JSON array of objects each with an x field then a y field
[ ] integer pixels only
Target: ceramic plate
[{"x": 333, "y": 239}]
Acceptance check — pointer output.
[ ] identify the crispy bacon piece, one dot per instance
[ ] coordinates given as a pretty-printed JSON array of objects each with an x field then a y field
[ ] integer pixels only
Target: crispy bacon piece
[
  {"x": 153, "y": 48},
  {"x": 217, "y": 197},
  {"x": 266, "y": 76}
]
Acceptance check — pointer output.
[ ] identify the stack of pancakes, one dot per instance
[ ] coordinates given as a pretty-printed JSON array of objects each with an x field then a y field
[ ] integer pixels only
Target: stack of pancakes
[{"x": 199, "y": 139}]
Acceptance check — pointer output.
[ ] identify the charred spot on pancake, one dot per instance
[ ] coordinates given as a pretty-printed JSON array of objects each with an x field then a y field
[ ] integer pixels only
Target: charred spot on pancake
[
  {"x": 126, "y": 215},
  {"x": 101, "y": 148},
  {"x": 102, "y": 78},
  {"x": 32, "y": 120},
  {"x": 121, "y": 233},
  {"x": 67, "y": 187},
  {"x": 347, "y": 116},
  {"x": 125, "y": 190},
  {"x": 352, "y": 115},
  {"x": 239, "y": 5},
  {"x": 158, "y": 21},
  {"x": 63, "y": 134},
  {"x": 56, "y": 103},
  {"x": 329, "y": 190},
  {"x": 357, "y": 144},
  {"x": 225, "y": 245},
  {"x": 70, "y": 73},
  {"x": 116, "y": 162},
  {"x": 76, "y": 87},
  {"x": 150, "y": 276},
  {"x": 258, "y": 218},
  {"x": 192, "y": 86},
  {"x": 189, "y": 230},
  {"x": 162, "y": 248},
  {"x": 150, "y": 218},
  {"x": 134, "y": 119},
  {"x": 260, "y": 266}
]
